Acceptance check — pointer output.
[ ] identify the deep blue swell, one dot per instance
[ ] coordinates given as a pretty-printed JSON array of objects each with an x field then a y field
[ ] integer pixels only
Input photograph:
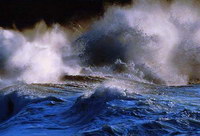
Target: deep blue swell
[{"x": 104, "y": 111}]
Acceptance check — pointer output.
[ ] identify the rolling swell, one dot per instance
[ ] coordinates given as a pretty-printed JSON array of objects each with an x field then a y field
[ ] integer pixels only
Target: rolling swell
[
  {"x": 104, "y": 110},
  {"x": 12, "y": 104},
  {"x": 81, "y": 113},
  {"x": 112, "y": 111},
  {"x": 15, "y": 99},
  {"x": 108, "y": 75}
]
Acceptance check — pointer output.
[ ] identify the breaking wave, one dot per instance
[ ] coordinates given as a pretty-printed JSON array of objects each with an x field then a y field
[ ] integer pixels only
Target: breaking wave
[
  {"x": 156, "y": 43},
  {"x": 126, "y": 73}
]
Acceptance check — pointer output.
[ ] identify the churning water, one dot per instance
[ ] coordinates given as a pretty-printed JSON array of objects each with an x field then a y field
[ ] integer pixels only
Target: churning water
[{"x": 129, "y": 73}]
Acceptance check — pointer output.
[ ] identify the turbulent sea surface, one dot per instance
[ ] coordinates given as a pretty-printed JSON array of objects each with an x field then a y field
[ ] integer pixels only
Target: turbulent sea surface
[
  {"x": 81, "y": 108},
  {"x": 121, "y": 70}
]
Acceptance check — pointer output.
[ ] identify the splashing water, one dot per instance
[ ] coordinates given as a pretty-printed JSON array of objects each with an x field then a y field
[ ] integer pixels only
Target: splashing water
[
  {"x": 111, "y": 77},
  {"x": 39, "y": 58},
  {"x": 155, "y": 41},
  {"x": 162, "y": 38}
]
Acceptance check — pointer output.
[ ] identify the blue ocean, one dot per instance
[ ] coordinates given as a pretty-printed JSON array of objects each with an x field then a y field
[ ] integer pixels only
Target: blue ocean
[{"x": 132, "y": 71}]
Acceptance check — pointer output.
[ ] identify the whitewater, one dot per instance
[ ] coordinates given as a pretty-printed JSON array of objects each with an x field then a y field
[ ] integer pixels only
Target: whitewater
[{"x": 133, "y": 71}]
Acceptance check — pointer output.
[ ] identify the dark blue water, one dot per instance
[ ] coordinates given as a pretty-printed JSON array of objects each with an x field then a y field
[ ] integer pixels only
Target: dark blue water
[{"x": 97, "y": 109}]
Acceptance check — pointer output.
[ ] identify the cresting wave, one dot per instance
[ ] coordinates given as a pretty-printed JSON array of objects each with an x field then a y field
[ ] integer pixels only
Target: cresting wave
[
  {"x": 126, "y": 73},
  {"x": 105, "y": 110},
  {"x": 149, "y": 41},
  {"x": 15, "y": 98}
]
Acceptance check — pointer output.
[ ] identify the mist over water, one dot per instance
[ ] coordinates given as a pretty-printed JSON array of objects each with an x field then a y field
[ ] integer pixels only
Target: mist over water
[
  {"x": 152, "y": 40},
  {"x": 163, "y": 38},
  {"x": 37, "y": 55}
]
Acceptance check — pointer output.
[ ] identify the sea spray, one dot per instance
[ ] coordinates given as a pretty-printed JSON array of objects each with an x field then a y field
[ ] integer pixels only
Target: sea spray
[
  {"x": 151, "y": 34},
  {"x": 38, "y": 57},
  {"x": 155, "y": 41}
]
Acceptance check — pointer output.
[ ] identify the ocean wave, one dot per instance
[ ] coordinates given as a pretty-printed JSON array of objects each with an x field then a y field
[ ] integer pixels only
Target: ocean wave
[
  {"x": 15, "y": 99},
  {"x": 81, "y": 113}
]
